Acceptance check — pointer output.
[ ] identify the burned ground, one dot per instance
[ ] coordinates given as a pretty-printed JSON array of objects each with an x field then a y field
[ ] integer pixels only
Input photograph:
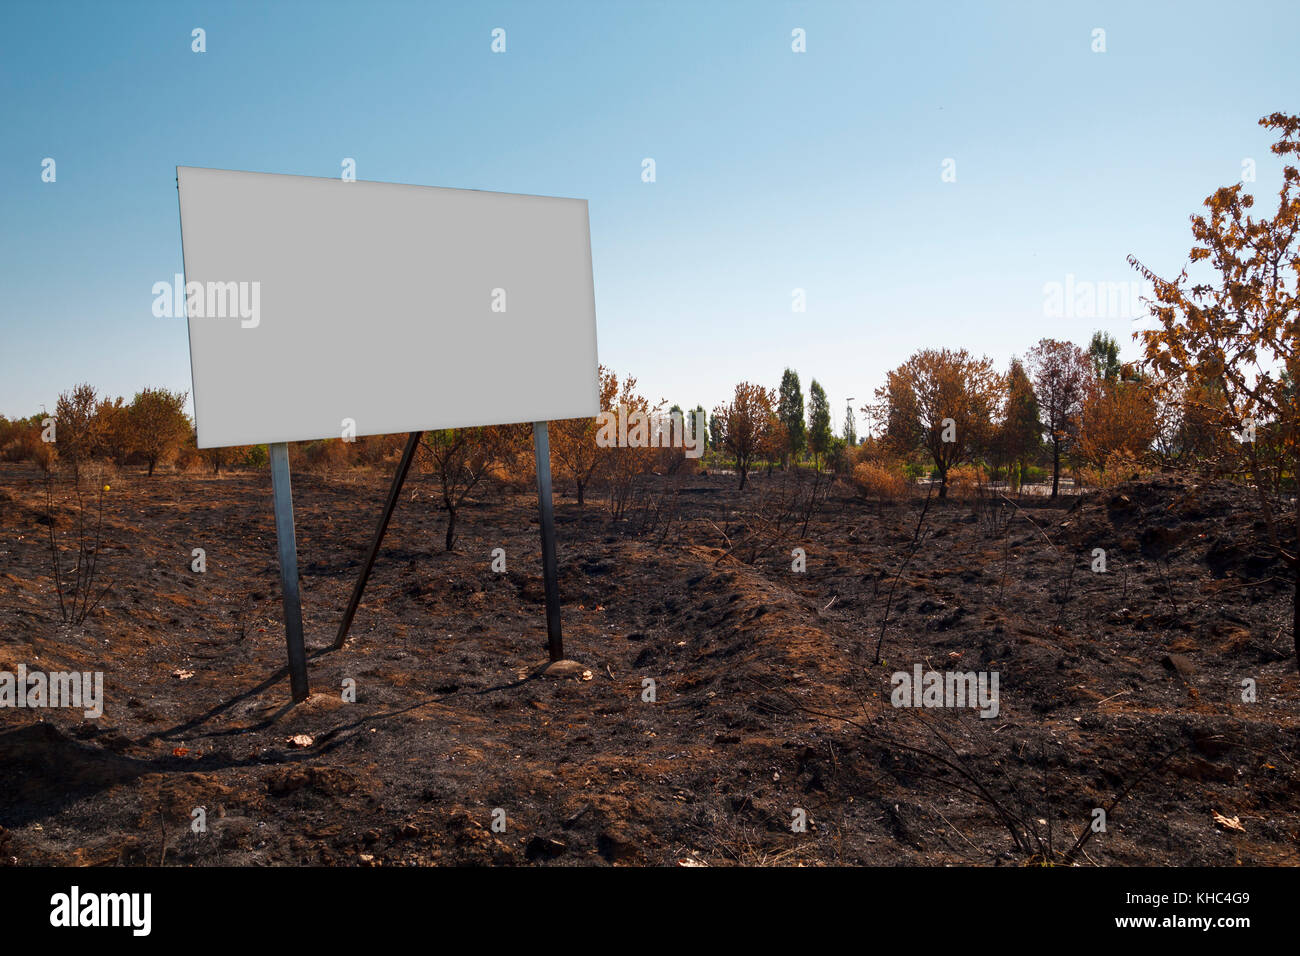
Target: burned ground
[{"x": 1125, "y": 684}]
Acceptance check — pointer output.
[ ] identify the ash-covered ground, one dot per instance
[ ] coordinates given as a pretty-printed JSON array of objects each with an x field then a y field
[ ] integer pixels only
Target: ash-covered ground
[{"x": 1120, "y": 690}]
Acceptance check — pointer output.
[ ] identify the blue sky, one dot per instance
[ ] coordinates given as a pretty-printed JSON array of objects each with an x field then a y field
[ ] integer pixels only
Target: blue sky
[{"x": 775, "y": 170}]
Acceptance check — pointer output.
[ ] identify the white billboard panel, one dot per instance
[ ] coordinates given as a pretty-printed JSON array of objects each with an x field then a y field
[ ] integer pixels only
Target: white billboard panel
[{"x": 316, "y": 302}]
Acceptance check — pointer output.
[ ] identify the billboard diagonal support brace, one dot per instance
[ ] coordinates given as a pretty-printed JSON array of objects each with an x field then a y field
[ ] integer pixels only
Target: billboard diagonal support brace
[
  {"x": 542, "y": 446},
  {"x": 282, "y": 497},
  {"x": 408, "y": 455}
]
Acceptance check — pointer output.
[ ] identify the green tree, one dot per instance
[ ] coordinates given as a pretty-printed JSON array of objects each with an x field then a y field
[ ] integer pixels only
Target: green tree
[
  {"x": 1020, "y": 434},
  {"x": 789, "y": 408},
  {"x": 698, "y": 414},
  {"x": 1103, "y": 352},
  {"x": 716, "y": 429},
  {"x": 819, "y": 420}
]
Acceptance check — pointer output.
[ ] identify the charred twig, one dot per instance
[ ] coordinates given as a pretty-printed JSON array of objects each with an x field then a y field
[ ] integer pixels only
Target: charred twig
[
  {"x": 1069, "y": 589},
  {"x": 1088, "y": 831},
  {"x": 93, "y": 561},
  {"x": 1023, "y": 833},
  {"x": 75, "y": 602},
  {"x": 54, "y": 551},
  {"x": 889, "y": 601}
]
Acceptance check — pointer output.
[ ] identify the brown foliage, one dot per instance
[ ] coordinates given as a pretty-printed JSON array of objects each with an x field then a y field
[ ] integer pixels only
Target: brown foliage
[
  {"x": 746, "y": 425},
  {"x": 573, "y": 442},
  {"x": 327, "y": 456},
  {"x": 1236, "y": 330},
  {"x": 20, "y": 440},
  {"x": 942, "y": 401},
  {"x": 623, "y": 465},
  {"x": 882, "y": 479},
  {"x": 77, "y": 432},
  {"x": 113, "y": 430},
  {"x": 1117, "y": 418},
  {"x": 157, "y": 424}
]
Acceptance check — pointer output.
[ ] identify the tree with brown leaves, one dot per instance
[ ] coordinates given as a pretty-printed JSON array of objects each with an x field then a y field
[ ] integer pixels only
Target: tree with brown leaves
[
  {"x": 776, "y": 440},
  {"x": 626, "y": 449},
  {"x": 77, "y": 429},
  {"x": 1237, "y": 326},
  {"x": 114, "y": 432},
  {"x": 1117, "y": 417},
  {"x": 943, "y": 401},
  {"x": 573, "y": 442},
  {"x": 745, "y": 425},
  {"x": 158, "y": 424}
]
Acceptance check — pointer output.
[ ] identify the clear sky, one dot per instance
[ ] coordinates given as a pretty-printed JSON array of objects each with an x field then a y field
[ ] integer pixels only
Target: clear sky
[{"x": 775, "y": 170}]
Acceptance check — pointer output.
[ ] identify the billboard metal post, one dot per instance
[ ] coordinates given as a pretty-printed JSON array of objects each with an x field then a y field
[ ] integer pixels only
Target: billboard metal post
[
  {"x": 542, "y": 445},
  {"x": 408, "y": 455},
  {"x": 282, "y": 495}
]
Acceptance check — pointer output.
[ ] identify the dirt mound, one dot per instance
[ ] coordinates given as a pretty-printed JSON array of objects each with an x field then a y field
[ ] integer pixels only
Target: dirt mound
[{"x": 1215, "y": 523}]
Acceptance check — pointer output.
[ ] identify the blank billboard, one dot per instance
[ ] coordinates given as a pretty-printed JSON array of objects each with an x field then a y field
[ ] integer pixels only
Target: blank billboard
[{"x": 315, "y": 303}]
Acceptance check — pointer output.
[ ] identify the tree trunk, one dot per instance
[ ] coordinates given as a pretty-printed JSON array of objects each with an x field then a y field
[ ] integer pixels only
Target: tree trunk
[
  {"x": 152, "y": 462},
  {"x": 743, "y": 474},
  {"x": 1056, "y": 467},
  {"x": 943, "y": 484},
  {"x": 451, "y": 528},
  {"x": 581, "y": 489}
]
